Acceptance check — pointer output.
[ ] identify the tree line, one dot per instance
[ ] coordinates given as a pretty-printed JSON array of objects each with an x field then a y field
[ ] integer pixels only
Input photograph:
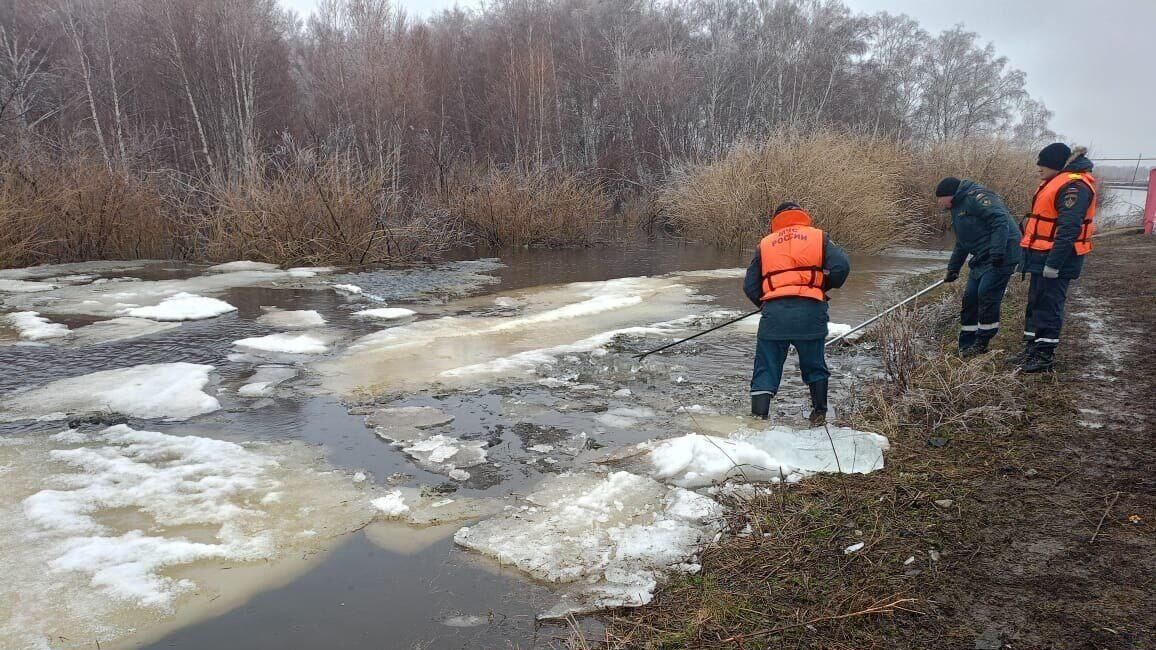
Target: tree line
[{"x": 626, "y": 89}]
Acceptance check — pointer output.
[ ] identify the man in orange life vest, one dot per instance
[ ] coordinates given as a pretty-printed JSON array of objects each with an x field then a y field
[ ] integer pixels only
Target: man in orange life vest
[
  {"x": 794, "y": 267},
  {"x": 1057, "y": 236}
]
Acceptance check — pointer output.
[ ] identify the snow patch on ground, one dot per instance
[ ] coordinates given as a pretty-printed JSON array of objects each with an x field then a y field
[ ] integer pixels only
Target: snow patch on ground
[
  {"x": 102, "y": 530},
  {"x": 608, "y": 539},
  {"x": 174, "y": 391},
  {"x": 772, "y": 455},
  {"x": 291, "y": 320},
  {"x": 34, "y": 327},
  {"x": 181, "y": 307}
]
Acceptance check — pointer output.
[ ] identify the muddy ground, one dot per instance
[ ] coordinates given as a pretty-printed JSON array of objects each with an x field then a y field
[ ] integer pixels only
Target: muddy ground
[{"x": 1015, "y": 511}]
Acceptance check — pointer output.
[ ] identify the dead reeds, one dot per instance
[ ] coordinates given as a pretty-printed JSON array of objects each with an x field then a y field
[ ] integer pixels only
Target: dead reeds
[
  {"x": 998, "y": 165},
  {"x": 515, "y": 208},
  {"x": 851, "y": 185}
]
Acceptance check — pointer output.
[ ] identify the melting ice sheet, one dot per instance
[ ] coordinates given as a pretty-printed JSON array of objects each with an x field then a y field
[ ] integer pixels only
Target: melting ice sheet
[
  {"x": 455, "y": 350},
  {"x": 110, "y": 533},
  {"x": 607, "y": 540}
]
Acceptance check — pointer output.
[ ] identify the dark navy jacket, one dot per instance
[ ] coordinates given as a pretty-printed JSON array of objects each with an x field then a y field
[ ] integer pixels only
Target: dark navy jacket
[
  {"x": 801, "y": 319},
  {"x": 982, "y": 224},
  {"x": 1068, "y": 225}
]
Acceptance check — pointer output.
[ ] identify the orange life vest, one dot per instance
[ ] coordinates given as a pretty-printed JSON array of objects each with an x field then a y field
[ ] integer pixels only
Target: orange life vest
[
  {"x": 792, "y": 258},
  {"x": 1041, "y": 225}
]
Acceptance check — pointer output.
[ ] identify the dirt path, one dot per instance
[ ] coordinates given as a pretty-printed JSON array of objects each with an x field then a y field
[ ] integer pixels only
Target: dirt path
[
  {"x": 1035, "y": 577},
  {"x": 1014, "y": 512}
]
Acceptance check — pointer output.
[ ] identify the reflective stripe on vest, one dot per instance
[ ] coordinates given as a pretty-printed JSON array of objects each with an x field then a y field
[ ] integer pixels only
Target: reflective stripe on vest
[
  {"x": 792, "y": 263},
  {"x": 1041, "y": 225}
]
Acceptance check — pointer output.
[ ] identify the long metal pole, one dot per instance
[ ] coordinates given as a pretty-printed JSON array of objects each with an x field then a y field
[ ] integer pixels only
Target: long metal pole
[
  {"x": 642, "y": 356},
  {"x": 877, "y": 317}
]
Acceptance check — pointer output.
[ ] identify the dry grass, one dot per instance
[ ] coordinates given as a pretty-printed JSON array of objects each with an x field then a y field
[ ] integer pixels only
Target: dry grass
[
  {"x": 76, "y": 209},
  {"x": 1000, "y": 166},
  {"x": 850, "y": 184},
  {"x": 514, "y": 208},
  {"x": 320, "y": 210}
]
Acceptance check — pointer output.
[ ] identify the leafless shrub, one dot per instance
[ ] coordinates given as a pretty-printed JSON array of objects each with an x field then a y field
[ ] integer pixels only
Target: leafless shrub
[
  {"x": 849, "y": 183},
  {"x": 539, "y": 208}
]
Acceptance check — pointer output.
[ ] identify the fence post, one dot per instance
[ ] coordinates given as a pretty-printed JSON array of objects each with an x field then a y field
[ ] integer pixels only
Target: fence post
[{"x": 1150, "y": 203}]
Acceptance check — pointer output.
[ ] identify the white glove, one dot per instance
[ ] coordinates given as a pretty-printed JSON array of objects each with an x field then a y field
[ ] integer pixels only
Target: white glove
[{"x": 1051, "y": 273}]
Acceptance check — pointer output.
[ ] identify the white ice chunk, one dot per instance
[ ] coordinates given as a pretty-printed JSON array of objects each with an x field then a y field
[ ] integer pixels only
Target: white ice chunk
[
  {"x": 243, "y": 265},
  {"x": 309, "y": 271},
  {"x": 285, "y": 344},
  {"x": 837, "y": 329},
  {"x": 446, "y": 453},
  {"x": 392, "y": 504},
  {"x": 854, "y": 548},
  {"x": 349, "y": 289},
  {"x": 34, "y": 327},
  {"x": 385, "y": 313},
  {"x": 611, "y": 539},
  {"x": 183, "y": 306},
  {"x": 161, "y": 390},
  {"x": 776, "y": 454},
  {"x": 291, "y": 320}
]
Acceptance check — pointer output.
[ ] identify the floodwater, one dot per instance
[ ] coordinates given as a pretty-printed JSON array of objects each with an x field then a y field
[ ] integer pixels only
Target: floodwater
[{"x": 540, "y": 377}]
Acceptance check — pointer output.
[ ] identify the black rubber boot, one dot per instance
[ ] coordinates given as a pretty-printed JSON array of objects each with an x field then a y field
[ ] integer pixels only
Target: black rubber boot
[
  {"x": 974, "y": 351},
  {"x": 818, "y": 403},
  {"x": 1041, "y": 360},
  {"x": 761, "y": 405}
]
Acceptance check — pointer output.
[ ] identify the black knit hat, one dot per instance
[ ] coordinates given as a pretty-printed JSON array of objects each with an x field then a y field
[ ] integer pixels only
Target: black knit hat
[
  {"x": 1054, "y": 156},
  {"x": 947, "y": 187},
  {"x": 788, "y": 205}
]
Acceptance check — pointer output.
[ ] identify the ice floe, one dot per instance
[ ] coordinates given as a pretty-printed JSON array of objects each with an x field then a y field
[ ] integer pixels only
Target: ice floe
[
  {"x": 34, "y": 327},
  {"x": 265, "y": 381},
  {"x": 564, "y": 319},
  {"x": 608, "y": 540},
  {"x": 386, "y": 313},
  {"x": 24, "y": 286},
  {"x": 173, "y": 391},
  {"x": 242, "y": 265},
  {"x": 420, "y": 507},
  {"x": 624, "y": 418},
  {"x": 348, "y": 289},
  {"x": 181, "y": 307},
  {"x": 118, "y": 329},
  {"x": 285, "y": 343},
  {"x": 108, "y": 533},
  {"x": 776, "y": 454},
  {"x": 291, "y": 319}
]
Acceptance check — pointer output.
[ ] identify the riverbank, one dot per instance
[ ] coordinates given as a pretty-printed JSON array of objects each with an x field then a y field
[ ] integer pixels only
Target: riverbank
[{"x": 1014, "y": 511}]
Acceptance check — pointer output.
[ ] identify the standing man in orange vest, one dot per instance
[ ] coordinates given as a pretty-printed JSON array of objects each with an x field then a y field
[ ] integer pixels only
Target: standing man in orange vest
[
  {"x": 1057, "y": 237},
  {"x": 794, "y": 267}
]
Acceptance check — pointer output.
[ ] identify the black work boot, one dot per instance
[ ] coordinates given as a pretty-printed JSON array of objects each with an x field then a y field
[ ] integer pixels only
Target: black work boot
[
  {"x": 761, "y": 405},
  {"x": 1041, "y": 360},
  {"x": 1023, "y": 355},
  {"x": 974, "y": 351},
  {"x": 818, "y": 403}
]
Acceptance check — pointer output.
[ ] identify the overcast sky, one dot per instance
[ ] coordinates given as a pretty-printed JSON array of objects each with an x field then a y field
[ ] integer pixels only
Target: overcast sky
[{"x": 1092, "y": 63}]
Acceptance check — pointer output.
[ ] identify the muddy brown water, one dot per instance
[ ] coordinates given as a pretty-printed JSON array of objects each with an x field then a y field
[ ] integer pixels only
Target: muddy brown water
[{"x": 365, "y": 596}]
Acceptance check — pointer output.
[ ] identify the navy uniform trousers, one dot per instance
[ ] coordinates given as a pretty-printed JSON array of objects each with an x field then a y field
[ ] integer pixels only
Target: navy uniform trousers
[
  {"x": 982, "y": 298},
  {"x": 1044, "y": 316},
  {"x": 771, "y": 355}
]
